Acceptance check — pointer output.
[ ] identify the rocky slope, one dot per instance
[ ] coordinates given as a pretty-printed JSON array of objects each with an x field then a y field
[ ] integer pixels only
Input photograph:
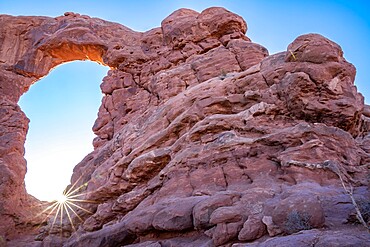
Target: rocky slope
[{"x": 203, "y": 138}]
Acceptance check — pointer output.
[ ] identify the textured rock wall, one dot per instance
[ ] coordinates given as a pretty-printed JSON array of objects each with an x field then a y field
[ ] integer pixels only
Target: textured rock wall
[{"x": 203, "y": 139}]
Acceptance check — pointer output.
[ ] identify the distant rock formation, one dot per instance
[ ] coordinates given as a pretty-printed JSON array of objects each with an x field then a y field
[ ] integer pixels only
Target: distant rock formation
[{"x": 203, "y": 138}]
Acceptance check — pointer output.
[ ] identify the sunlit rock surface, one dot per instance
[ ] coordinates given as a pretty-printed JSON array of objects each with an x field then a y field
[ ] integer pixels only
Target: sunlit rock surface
[{"x": 203, "y": 138}]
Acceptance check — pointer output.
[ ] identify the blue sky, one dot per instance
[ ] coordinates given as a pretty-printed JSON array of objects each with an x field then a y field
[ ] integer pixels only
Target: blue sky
[{"x": 63, "y": 106}]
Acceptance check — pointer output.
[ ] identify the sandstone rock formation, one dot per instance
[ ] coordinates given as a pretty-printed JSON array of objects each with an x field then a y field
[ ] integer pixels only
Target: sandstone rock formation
[{"x": 203, "y": 138}]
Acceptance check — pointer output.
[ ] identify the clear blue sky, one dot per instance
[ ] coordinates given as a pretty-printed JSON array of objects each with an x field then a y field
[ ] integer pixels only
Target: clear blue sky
[{"x": 63, "y": 106}]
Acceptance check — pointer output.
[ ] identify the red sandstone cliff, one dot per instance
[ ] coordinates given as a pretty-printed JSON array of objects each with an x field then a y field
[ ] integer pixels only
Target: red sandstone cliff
[{"x": 203, "y": 139}]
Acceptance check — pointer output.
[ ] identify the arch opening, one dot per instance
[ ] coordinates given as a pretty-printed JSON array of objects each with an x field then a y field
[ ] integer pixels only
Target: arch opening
[{"x": 62, "y": 108}]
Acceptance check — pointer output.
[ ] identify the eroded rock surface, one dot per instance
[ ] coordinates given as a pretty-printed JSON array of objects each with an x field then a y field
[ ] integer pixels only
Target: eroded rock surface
[{"x": 203, "y": 139}]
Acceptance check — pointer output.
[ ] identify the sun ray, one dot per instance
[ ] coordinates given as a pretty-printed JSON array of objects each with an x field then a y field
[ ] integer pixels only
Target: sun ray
[
  {"x": 51, "y": 207},
  {"x": 55, "y": 217},
  {"x": 73, "y": 204},
  {"x": 82, "y": 200},
  {"x": 69, "y": 204},
  {"x": 77, "y": 195},
  {"x": 74, "y": 184},
  {"x": 61, "y": 217},
  {"x": 69, "y": 216},
  {"x": 76, "y": 190},
  {"x": 41, "y": 204},
  {"x": 55, "y": 206},
  {"x": 75, "y": 213},
  {"x": 72, "y": 189}
]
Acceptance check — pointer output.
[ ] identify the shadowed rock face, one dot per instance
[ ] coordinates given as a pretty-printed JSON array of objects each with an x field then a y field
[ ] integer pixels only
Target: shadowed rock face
[{"x": 203, "y": 139}]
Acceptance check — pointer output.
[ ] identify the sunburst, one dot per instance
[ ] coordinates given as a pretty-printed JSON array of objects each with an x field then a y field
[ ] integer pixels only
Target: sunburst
[{"x": 67, "y": 204}]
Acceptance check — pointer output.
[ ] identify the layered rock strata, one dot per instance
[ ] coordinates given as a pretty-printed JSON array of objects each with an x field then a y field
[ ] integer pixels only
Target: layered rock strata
[{"x": 203, "y": 138}]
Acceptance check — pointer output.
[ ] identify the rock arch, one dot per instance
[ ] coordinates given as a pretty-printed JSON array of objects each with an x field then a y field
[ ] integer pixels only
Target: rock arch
[
  {"x": 31, "y": 46},
  {"x": 195, "y": 116}
]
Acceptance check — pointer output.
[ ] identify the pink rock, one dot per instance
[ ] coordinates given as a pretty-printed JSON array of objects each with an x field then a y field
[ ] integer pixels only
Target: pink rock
[
  {"x": 253, "y": 228},
  {"x": 272, "y": 228},
  {"x": 203, "y": 139}
]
